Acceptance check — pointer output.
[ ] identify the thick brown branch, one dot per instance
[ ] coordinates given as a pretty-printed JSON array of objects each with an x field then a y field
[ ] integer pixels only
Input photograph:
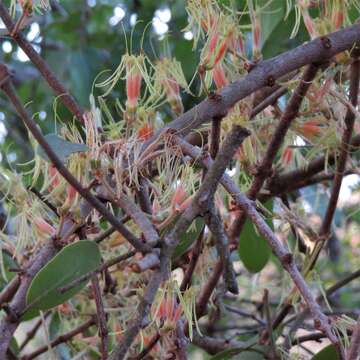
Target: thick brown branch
[{"x": 260, "y": 76}]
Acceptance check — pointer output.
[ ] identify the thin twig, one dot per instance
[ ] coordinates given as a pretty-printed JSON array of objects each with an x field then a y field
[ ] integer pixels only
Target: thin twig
[
  {"x": 153, "y": 341},
  {"x": 101, "y": 317},
  {"x": 193, "y": 261},
  {"x": 61, "y": 339},
  {"x": 353, "y": 352},
  {"x": 345, "y": 146},
  {"x": 214, "y": 138},
  {"x": 30, "y": 334},
  {"x": 41, "y": 65},
  {"x": 9, "y": 291}
]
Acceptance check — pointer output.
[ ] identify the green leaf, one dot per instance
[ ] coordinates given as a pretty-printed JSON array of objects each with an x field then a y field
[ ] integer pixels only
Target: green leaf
[
  {"x": 189, "y": 237},
  {"x": 327, "y": 353},
  {"x": 61, "y": 147},
  {"x": 253, "y": 249},
  {"x": 6, "y": 263},
  {"x": 69, "y": 264}
]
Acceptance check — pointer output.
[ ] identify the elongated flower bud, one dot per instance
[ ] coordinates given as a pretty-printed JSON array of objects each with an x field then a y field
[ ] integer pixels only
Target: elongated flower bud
[
  {"x": 43, "y": 227},
  {"x": 219, "y": 76}
]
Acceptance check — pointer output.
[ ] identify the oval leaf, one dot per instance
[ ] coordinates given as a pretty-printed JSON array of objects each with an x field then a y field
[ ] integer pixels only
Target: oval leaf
[
  {"x": 327, "y": 353},
  {"x": 189, "y": 237},
  {"x": 69, "y": 264},
  {"x": 253, "y": 249},
  {"x": 61, "y": 147}
]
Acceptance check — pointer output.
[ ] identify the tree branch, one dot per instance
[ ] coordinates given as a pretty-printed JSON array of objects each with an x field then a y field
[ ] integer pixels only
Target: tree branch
[
  {"x": 263, "y": 171},
  {"x": 261, "y": 75},
  {"x": 61, "y": 339},
  {"x": 42, "y": 66}
]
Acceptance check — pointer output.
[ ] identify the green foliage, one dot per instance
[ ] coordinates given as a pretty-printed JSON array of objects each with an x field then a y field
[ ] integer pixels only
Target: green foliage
[
  {"x": 327, "y": 353},
  {"x": 72, "y": 262},
  {"x": 188, "y": 238},
  {"x": 253, "y": 249},
  {"x": 61, "y": 147},
  {"x": 7, "y": 263}
]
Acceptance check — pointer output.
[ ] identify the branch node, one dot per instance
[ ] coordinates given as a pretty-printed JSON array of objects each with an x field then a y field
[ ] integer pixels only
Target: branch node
[
  {"x": 287, "y": 259},
  {"x": 270, "y": 81},
  {"x": 326, "y": 42},
  {"x": 317, "y": 324}
]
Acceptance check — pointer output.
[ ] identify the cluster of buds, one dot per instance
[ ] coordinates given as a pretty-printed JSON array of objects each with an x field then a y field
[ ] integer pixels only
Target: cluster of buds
[
  {"x": 169, "y": 313},
  {"x": 132, "y": 69},
  {"x": 310, "y": 128}
]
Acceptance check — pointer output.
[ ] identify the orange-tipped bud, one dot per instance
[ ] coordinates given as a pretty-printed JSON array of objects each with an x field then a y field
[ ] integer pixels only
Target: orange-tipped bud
[
  {"x": 256, "y": 36},
  {"x": 287, "y": 156},
  {"x": 310, "y": 128},
  {"x": 145, "y": 132},
  {"x": 221, "y": 52},
  {"x": 219, "y": 77},
  {"x": 180, "y": 200},
  {"x": 133, "y": 85},
  {"x": 70, "y": 196},
  {"x": 43, "y": 227},
  {"x": 309, "y": 24},
  {"x": 54, "y": 177}
]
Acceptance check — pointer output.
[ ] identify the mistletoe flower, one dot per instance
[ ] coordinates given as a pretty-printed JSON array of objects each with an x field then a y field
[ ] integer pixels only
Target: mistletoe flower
[
  {"x": 43, "y": 227},
  {"x": 311, "y": 128},
  {"x": 338, "y": 15},
  {"x": 169, "y": 313},
  {"x": 308, "y": 21},
  {"x": 180, "y": 200},
  {"x": 219, "y": 76},
  {"x": 133, "y": 69},
  {"x": 287, "y": 156},
  {"x": 169, "y": 78}
]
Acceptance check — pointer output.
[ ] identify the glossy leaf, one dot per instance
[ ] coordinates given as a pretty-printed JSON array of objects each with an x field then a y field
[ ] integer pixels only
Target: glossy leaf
[
  {"x": 253, "y": 249},
  {"x": 7, "y": 263},
  {"x": 189, "y": 237},
  {"x": 69, "y": 264},
  {"x": 61, "y": 147},
  {"x": 327, "y": 353}
]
